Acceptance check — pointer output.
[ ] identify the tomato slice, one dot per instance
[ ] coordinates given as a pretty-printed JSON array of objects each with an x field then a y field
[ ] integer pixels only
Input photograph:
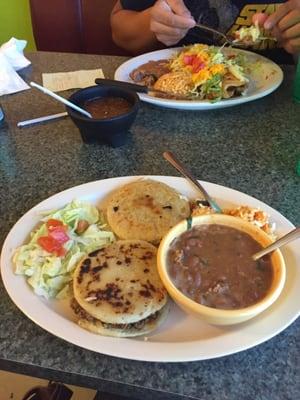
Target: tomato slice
[
  {"x": 53, "y": 223},
  {"x": 59, "y": 234},
  {"x": 189, "y": 58},
  {"x": 197, "y": 64},
  {"x": 61, "y": 252},
  {"x": 49, "y": 244}
]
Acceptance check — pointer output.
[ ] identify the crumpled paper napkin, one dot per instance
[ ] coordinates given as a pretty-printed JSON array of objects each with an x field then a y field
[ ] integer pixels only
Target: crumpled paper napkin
[{"x": 11, "y": 60}]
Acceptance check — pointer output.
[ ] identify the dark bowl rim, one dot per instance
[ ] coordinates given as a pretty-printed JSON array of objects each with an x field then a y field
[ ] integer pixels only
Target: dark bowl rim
[{"x": 77, "y": 115}]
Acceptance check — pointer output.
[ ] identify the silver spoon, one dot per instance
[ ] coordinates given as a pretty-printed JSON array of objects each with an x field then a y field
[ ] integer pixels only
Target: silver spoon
[
  {"x": 189, "y": 176},
  {"x": 293, "y": 235}
]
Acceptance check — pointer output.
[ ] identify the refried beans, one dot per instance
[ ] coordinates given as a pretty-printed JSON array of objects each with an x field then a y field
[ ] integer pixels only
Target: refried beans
[{"x": 212, "y": 265}]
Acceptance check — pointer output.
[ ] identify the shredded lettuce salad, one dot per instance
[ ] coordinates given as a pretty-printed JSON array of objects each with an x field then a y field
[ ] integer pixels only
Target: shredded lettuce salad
[
  {"x": 50, "y": 274},
  {"x": 209, "y": 67}
]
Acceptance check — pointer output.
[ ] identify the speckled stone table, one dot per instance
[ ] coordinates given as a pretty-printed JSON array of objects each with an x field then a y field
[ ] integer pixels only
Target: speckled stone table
[{"x": 252, "y": 148}]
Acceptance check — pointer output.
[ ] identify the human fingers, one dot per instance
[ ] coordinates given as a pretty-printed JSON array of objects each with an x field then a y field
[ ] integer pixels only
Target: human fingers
[
  {"x": 167, "y": 40},
  {"x": 292, "y": 46},
  {"x": 164, "y": 30},
  {"x": 179, "y": 8},
  {"x": 275, "y": 17},
  {"x": 291, "y": 33},
  {"x": 162, "y": 13},
  {"x": 292, "y": 19},
  {"x": 259, "y": 18},
  {"x": 276, "y": 33}
]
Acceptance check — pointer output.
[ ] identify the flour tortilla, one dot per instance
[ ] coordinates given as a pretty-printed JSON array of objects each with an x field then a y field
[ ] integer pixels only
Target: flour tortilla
[{"x": 232, "y": 86}]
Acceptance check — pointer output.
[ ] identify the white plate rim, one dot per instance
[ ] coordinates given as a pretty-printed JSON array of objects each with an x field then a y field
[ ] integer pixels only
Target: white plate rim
[
  {"x": 129, "y": 65},
  {"x": 130, "y": 348}
]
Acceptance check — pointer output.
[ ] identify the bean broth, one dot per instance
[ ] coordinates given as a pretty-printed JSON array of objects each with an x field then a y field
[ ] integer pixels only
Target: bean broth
[{"x": 212, "y": 265}]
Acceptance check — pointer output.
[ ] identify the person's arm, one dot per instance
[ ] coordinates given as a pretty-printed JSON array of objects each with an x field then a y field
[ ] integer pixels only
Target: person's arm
[
  {"x": 167, "y": 21},
  {"x": 131, "y": 29}
]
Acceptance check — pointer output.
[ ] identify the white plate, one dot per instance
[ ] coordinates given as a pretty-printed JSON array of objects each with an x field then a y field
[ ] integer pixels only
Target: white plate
[
  {"x": 181, "y": 337},
  {"x": 264, "y": 79}
]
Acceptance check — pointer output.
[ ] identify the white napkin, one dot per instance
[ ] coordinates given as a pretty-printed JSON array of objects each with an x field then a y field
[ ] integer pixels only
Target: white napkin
[
  {"x": 60, "y": 81},
  {"x": 11, "y": 60}
]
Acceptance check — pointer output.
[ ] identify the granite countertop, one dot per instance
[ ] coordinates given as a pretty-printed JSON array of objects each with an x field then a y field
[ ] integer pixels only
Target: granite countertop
[{"x": 253, "y": 148}]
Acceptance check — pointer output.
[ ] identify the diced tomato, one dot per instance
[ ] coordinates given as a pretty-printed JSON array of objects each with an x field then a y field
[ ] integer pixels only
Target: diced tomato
[
  {"x": 189, "y": 58},
  {"x": 53, "y": 223},
  {"x": 61, "y": 252},
  {"x": 49, "y": 244},
  {"x": 59, "y": 234},
  {"x": 197, "y": 64}
]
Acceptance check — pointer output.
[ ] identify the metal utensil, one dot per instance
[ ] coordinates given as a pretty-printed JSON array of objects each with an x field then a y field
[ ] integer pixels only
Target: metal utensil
[
  {"x": 140, "y": 88},
  {"x": 216, "y": 32},
  {"x": 34, "y": 121},
  {"x": 232, "y": 42},
  {"x": 189, "y": 176},
  {"x": 293, "y": 235},
  {"x": 61, "y": 99}
]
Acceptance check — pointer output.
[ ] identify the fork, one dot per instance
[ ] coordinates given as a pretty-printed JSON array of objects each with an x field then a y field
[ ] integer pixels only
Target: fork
[
  {"x": 169, "y": 156},
  {"x": 215, "y": 31}
]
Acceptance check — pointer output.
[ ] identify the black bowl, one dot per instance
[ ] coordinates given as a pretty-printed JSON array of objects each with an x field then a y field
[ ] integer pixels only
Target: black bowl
[{"x": 112, "y": 131}]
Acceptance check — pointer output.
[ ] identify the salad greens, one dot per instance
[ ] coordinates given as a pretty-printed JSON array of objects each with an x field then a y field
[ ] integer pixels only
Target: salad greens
[
  {"x": 213, "y": 86},
  {"x": 50, "y": 272}
]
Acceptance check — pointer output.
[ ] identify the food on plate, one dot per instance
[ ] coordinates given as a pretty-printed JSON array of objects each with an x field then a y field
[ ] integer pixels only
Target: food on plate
[
  {"x": 114, "y": 283},
  {"x": 212, "y": 264},
  {"x": 180, "y": 82},
  {"x": 148, "y": 73},
  {"x": 107, "y": 107},
  {"x": 145, "y": 209},
  {"x": 117, "y": 290},
  {"x": 65, "y": 236},
  {"x": 201, "y": 72},
  {"x": 250, "y": 35},
  {"x": 253, "y": 215}
]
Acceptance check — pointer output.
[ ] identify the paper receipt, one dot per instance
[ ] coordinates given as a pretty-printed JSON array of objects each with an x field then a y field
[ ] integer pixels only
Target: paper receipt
[{"x": 60, "y": 81}]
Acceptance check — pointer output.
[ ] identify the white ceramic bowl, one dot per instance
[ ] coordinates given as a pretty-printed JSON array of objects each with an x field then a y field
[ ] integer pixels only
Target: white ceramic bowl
[{"x": 214, "y": 315}]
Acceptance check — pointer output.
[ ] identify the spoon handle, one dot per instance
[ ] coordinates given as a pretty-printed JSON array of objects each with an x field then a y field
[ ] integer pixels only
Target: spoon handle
[
  {"x": 61, "y": 99},
  {"x": 293, "y": 235},
  {"x": 188, "y": 175}
]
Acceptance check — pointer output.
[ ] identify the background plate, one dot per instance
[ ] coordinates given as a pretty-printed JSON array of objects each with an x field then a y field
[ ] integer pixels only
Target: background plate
[
  {"x": 181, "y": 337},
  {"x": 265, "y": 79}
]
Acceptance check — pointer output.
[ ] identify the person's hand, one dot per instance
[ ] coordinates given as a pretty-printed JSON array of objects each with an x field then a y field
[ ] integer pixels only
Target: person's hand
[
  {"x": 284, "y": 24},
  {"x": 170, "y": 21}
]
